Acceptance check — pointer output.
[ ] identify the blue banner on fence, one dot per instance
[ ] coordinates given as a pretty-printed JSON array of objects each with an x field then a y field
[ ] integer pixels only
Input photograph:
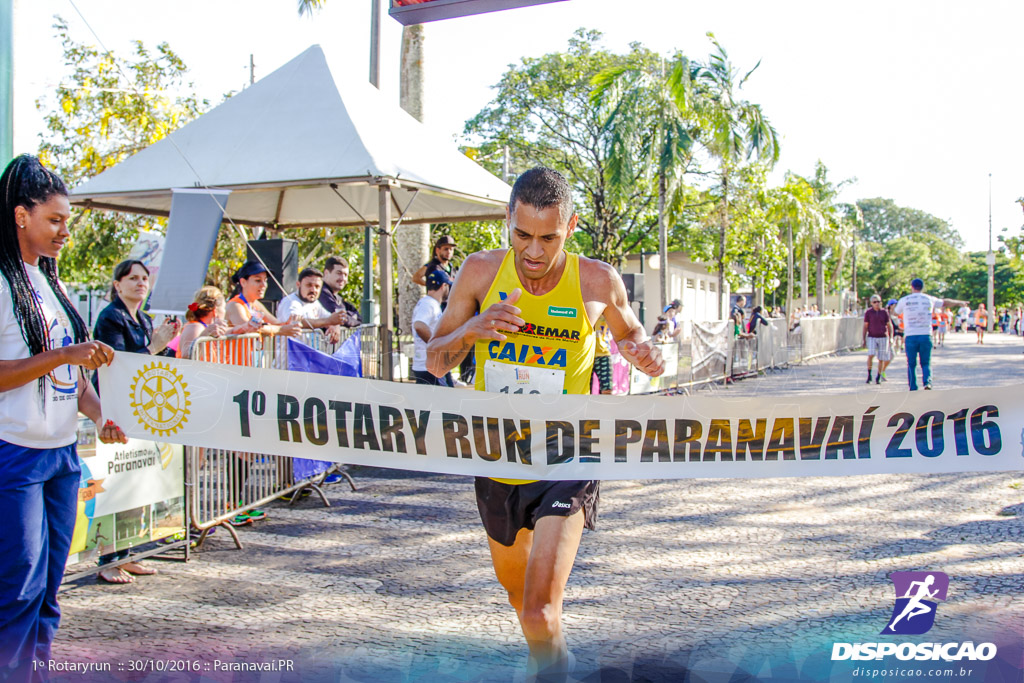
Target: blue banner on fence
[{"x": 304, "y": 358}]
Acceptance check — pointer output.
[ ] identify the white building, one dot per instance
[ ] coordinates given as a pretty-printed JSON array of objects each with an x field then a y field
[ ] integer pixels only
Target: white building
[{"x": 692, "y": 283}]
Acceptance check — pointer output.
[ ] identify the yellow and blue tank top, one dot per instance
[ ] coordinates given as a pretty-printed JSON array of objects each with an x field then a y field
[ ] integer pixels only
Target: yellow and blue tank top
[
  {"x": 553, "y": 352},
  {"x": 557, "y": 335}
]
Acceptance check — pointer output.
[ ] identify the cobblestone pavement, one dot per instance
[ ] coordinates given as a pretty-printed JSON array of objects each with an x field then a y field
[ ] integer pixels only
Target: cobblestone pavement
[{"x": 705, "y": 577}]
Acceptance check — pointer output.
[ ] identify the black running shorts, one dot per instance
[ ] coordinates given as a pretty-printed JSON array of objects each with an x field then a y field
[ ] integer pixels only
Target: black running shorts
[{"x": 507, "y": 508}]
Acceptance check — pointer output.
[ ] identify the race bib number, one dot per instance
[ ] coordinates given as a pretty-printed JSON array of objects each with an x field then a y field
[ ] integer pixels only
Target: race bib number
[{"x": 521, "y": 379}]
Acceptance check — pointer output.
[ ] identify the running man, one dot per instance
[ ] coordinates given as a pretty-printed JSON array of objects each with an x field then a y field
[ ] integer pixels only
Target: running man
[
  {"x": 981, "y": 322},
  {"x": 915, "y": 607},
  {"x": 534, "y": 528},
  {"x": 878, "y": 337}
]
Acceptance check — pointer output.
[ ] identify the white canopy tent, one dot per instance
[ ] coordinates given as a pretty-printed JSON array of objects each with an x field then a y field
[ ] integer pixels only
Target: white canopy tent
[
  {"x": 300, "y": 148},
  {"x": 281, "y": 143}
]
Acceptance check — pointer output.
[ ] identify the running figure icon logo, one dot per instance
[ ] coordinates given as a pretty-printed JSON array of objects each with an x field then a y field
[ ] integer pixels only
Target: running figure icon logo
[{"x": 916, "y": 596}]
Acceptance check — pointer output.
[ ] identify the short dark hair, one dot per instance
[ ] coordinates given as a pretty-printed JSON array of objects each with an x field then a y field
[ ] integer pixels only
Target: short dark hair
[
  {"x": 333, "y": 261},
  {"x": 917, "y": 284},
  {"x": 542, "y": 187},
  {"x": 307, "y": 272}
]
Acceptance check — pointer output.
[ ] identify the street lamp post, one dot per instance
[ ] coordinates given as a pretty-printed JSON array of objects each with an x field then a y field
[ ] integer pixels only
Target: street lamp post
[{"x": 990, "y": 259}]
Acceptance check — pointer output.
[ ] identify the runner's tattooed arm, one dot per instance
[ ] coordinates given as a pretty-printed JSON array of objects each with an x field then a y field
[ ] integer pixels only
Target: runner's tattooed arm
[{"x": 460, "y": 326}]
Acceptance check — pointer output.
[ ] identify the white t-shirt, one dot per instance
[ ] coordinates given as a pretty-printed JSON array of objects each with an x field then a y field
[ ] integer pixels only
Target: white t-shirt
[
  {"x": 963, "y": 313},
  {"x": 917, "y": 309},
  {"x": 28, "y": 417},
  {"x": 293, "y": 305},
  {"x": 428, "y": 312}
]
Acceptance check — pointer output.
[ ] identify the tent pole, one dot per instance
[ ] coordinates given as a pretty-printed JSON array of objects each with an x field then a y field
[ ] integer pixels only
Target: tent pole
[
  {"x": 384, "y": 258},
  {"x": 368, "y": 316}
]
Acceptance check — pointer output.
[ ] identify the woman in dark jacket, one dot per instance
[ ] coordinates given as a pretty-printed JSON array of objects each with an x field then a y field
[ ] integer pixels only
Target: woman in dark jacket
[{"x": 123, "y": 326}]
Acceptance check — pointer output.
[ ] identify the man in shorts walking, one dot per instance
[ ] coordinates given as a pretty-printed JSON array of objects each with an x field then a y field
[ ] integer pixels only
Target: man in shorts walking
[
  {"x": 537, "y": 295},
  {"x": 878, "y": 337}
]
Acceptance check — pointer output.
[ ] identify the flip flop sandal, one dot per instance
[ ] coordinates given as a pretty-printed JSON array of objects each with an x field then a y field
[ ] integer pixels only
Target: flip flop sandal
[
  {"x": 239, "y": 520},
  {"x": 255, "y": 514}
]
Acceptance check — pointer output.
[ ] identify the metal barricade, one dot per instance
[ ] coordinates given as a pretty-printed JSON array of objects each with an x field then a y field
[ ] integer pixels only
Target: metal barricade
[
  {"x": 795, "y": 345},
  {"x": 224, "y": 484},
  {"x": 744, "y": 357}
]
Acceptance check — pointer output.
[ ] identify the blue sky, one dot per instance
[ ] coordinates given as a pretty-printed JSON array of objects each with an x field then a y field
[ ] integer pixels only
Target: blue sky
[{"x": 919, "y": 101}]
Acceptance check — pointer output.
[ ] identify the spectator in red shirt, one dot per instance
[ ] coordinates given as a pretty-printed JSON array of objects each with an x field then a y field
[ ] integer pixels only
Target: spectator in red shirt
[{"x": 878, "y": 337}]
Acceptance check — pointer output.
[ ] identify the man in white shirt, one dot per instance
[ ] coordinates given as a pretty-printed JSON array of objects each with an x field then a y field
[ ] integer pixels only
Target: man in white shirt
[
  {"x": 304, "y": 304},
  {"x": 962, "y": 316},
  {"x": 916, "y": 309},
  {"x": 424, "y": 319}
]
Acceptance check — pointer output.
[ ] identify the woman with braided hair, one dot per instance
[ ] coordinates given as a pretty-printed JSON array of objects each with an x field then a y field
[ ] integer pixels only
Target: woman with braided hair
[{"x": 44, "y": 349}]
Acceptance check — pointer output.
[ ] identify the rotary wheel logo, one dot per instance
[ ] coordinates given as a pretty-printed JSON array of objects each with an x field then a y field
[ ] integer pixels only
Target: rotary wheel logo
[{"x": 160, "y": 399}]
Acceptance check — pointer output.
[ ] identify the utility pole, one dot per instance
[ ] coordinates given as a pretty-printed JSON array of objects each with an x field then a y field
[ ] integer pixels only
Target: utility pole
[
  {"x": 252, "y": 70},
  {"x": 856, "y": 229},
  {"x": 368, "y": 307},
  {"x": 505, "y": 175},
  {"x": 375, "y": 43},
  {"x": 990, "y": 259},
  {"x": 6, "y": 81}
]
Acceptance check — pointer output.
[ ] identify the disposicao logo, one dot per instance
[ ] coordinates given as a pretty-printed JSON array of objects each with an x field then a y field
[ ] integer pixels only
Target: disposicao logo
[
  {"x": 916, "y": 595},
  {"x": 913, "y": 613}
]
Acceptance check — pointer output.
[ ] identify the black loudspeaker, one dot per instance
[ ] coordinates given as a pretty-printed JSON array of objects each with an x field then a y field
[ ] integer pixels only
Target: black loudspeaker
[
  {"x": 281, "y": 258},
  {"x": 634, "y": 286}
]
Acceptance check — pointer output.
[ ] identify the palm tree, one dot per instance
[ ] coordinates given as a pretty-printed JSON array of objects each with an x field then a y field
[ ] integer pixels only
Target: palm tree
[
  {"x": 649, "y": 120},
  {"x": 832, "y": 229},
  {"x": 734, "y": 131},
  {"x": 793, "y": 205}
]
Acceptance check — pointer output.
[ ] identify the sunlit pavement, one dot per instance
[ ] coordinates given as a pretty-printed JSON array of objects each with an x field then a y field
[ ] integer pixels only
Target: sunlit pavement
[{"x": 393, "y": 582}]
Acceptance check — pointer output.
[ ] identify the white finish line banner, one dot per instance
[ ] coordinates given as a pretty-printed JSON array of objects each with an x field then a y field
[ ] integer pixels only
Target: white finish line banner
[{"x": 457, "y": 431}]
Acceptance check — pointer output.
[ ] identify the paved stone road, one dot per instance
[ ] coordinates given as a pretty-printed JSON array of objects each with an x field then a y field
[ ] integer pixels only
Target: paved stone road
[{"x": 694, "y": 577}]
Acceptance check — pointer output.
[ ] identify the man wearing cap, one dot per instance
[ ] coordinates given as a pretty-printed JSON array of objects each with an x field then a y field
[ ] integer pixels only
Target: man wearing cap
[
  {"x": 916, "y": 309},
  {"x": 878, "y": 337},
  {"x": 444, "y": 249},
  {"x": 424, "y": 319},
  {"x": 251, "y": 286}
]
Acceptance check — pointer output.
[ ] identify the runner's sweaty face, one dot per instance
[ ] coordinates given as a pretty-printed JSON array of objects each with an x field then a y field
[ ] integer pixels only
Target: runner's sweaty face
[{"x": 538, "y": 238}]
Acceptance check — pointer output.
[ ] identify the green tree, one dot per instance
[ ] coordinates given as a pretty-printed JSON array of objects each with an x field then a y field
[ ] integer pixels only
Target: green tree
[
  {"x": 637, "y": 96},
  {"x": 832, "y": 230},
  {"x": 733, "y": 131},
  {"x": 544, "y": 114},
  {"x": 793, "y": 208},
  {"x": 754, "y": 241},
  {"x": 970, "y": 281},
  {"x": 104, "y": 110},
  {"x": 893, "y": 264},
  {"x": 885, "y": 221}
]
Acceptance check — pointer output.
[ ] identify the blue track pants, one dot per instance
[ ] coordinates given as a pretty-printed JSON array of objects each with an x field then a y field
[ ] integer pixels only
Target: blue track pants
[{"x": 38, "y": 504}]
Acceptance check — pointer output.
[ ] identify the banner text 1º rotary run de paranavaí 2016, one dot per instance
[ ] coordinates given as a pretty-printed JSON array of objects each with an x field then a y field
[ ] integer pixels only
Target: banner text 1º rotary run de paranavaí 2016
[{"x": 432, "y": 429}]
